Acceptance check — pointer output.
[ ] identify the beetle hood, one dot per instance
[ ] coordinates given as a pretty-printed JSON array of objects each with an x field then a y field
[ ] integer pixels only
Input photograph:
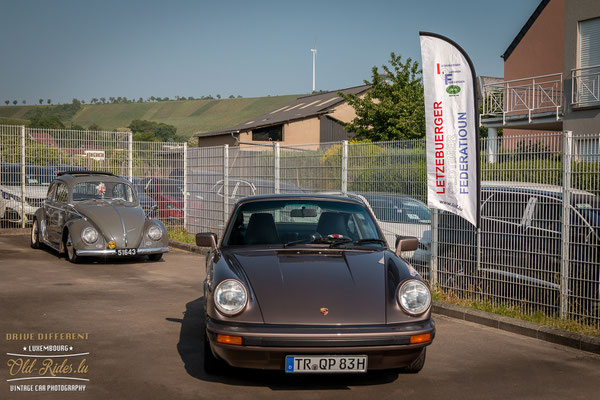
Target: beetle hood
[
  {"x": 119, "y": 221},
  {"x": 317, "y": 288}
]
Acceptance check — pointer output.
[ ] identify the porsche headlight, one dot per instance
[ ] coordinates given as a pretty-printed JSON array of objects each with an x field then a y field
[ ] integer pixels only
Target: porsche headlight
[
  {"x": 230, "y": 297},
  {"x": 89, "y": 235},
  {"x": 154, "y": 232},
  {"x": 414, "y": 297}
]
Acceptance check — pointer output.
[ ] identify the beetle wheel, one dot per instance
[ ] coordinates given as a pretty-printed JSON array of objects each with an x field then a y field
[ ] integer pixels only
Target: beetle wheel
[
  {"x": 35, "y": 235},
  {"x": 155, "y": 257},
  {"x": 70, "y": 250}
]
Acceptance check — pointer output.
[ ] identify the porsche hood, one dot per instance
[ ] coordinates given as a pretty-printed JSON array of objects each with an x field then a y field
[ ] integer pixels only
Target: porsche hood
[
  {"x": 310, "y": 287},
  {"x": 118, "y": 221}
]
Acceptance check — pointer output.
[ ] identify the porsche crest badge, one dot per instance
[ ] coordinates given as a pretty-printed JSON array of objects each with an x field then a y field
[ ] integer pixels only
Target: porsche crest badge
[{"x": 324, "y": 311}]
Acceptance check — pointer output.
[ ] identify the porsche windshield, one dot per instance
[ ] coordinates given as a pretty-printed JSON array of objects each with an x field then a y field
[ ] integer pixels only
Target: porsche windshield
[
  {"x": 91, "y": 190},
  {"x": 286, "y": 222}
]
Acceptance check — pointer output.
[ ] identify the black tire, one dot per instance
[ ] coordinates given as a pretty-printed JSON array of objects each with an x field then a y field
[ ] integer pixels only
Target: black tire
[
  {"x": 155, "y": 257},
  {"x": 417, "y": 365},
  {"x": 212, "y": 365},
  {"x": 70, "y": 251},
  {"x": 35, "y": 235}
]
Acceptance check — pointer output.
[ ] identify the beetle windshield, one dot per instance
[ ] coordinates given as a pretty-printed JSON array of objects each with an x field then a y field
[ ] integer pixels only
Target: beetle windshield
[
  {"x": 283, "y": 222},
  {"x": 90, "y": 190}
]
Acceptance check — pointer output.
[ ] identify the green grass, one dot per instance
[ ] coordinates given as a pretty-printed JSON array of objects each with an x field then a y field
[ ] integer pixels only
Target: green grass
[
  {"x": 181, "y": 235},
  {"x": 514, "y": 311},
  {"x": 188, "y": 116}
]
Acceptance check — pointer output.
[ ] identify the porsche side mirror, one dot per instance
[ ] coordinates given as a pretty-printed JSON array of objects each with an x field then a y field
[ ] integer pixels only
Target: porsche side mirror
[
  {"x": 406, "y": 243},
  {"x": 206, "y": 239}
]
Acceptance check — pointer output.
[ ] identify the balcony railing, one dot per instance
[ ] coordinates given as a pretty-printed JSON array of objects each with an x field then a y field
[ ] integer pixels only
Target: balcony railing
[
  {"x": 523, "y": 98},
  {"x": 586, "y": 86}
]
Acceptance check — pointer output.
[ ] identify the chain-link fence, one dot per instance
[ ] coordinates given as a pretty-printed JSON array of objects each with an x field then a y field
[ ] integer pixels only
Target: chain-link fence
[
  {"x": 538, "y": 247},
  {"x": 30, "y": 158}
]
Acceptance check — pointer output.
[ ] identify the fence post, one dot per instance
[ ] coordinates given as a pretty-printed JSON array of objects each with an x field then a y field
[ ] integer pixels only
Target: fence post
[
  {"x": 185, "y": 187},
  {"x": 434, "y": 247},
  {"x": 130, "y": 155},
  {"x": 492, "y": 144},
  {"x": 566, "y": 204},
  {"x": 22, "y": 176},
  {"x": 225, "y": 183},
  {"x": 276, "y": 159},
  {"x": 344, "y": 166}
]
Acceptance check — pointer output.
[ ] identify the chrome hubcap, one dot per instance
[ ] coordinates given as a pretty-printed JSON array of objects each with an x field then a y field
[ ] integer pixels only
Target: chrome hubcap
[
  {"x": 70, "y": 250},
  {"x": 34, "y": 232}
]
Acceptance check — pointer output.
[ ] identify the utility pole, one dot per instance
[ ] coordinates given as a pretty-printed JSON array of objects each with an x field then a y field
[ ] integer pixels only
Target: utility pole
[{"x": 314, "y": 54}]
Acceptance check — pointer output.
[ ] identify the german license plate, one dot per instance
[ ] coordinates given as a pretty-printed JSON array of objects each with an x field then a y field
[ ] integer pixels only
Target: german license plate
[
  {"x": 325, "y": 364},
  {"x": 126, "y": 252}
]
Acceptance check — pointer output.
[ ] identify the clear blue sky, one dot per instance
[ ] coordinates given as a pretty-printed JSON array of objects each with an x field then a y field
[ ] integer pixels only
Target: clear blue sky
[{"x": 61, "y": 49}]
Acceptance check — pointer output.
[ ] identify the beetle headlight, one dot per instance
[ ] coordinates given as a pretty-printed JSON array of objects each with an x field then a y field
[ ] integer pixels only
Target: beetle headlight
[
  {"x": 414, "y": 297},
  {"x": 230, "y": 297},
  {"x": 89, "y": 235},
  {"x": 154, "y": 232}
]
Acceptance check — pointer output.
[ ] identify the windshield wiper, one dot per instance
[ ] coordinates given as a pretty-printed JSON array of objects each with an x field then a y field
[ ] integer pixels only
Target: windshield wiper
[
  {"x": 318, "y": 239},
  {"x": 361, "y": 241}
]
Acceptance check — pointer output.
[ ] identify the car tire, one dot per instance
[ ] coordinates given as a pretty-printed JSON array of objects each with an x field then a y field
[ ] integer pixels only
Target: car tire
[
  {"x": 212, "y": 365},
  {"x": 35, "y": 235},
  {"x": 155, "y": 257},
  {"x": 70, "y": 251},
  {"x": 417, "y": 365}
]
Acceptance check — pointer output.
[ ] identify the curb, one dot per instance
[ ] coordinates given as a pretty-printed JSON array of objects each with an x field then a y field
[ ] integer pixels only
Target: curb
[
  {"x": 14, "y": 231},
  {"x": 525, "y": 328},
  {"x": 187, "y": 247}
]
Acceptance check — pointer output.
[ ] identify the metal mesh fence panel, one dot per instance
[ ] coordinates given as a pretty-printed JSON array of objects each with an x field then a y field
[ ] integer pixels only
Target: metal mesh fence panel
[
  {"x": 311, "y": 168},
  {"x": 205, "y": 179},
  {"x": 391, "y": 177}
]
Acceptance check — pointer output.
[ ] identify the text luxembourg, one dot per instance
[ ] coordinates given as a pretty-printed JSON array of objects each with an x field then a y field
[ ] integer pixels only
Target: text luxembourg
[{"x": 463, "y": 159}]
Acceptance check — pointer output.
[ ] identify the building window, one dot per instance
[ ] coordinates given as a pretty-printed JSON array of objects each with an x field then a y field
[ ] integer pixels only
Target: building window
[
  {"x": 268, "y": 134},
  {"x": 587, "y": 76}
]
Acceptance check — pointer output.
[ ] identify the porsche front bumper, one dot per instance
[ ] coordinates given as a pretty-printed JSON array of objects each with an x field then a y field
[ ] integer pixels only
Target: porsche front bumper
[{"x": 266, "y": 346}]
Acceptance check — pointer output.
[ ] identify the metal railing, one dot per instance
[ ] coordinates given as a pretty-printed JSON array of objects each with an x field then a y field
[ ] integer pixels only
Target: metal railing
[
  {"x": 585, "y": 86},
  {"x": 526, "y": 97},
  {"x": 539, "y": 246}
]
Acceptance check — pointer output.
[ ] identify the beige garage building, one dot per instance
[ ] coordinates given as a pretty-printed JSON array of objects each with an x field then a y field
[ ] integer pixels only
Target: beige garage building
[{"x": 310, "y": 119}]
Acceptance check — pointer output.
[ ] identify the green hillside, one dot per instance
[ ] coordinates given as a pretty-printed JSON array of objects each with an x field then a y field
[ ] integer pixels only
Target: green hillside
[{"x": 189, "y": 116}]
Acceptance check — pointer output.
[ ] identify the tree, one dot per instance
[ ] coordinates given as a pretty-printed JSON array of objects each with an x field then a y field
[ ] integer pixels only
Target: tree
[
  {"x": 6, "y": 102},
  {"x": 51, "y": 122},
  {"x": 144, "y": 130},
  {"x": 15, "y": 102},
  {"x": 94, "y": 100},
  {"x": 94, "y": 127},
  {"x": 231, "y": 96},
  {"x": 394, "y": 107},
  {"x": 41, "y": 101},
  {"x": 103, "y": 100},
  {"x": 24, "y": 102},
  {"x": 49, "y": 101},
  {"x": 218, "y": 96}
]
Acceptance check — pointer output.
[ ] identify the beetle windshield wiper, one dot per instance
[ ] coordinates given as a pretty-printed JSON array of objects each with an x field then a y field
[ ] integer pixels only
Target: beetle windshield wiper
[{"x": 362, "y": 241}]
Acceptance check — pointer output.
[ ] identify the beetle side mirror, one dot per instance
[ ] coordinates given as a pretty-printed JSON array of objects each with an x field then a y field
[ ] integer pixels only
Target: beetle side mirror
[
  {"x": 406, "y": 243},
  {"x": 206, "y": 239}
]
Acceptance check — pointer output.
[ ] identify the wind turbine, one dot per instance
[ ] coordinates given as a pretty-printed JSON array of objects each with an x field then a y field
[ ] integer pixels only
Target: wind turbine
[{"x": 314, "y": 54}]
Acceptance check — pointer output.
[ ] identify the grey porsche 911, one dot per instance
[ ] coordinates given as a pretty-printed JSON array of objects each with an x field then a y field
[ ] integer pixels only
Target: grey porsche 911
[{"x": 307, "y": 284}]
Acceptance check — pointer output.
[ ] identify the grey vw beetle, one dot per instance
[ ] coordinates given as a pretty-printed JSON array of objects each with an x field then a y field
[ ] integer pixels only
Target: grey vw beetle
[{"x": 89, "y": 213}]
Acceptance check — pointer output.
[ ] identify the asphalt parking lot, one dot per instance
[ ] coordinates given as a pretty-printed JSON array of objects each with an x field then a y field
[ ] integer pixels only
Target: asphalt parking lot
[{"x": 140, "y": 323}]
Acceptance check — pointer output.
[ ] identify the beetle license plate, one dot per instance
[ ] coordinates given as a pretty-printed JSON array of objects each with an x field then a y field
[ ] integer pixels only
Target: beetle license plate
[
  {"x": 325, "y": 364},
  {"x": 126, "y": 252}
]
